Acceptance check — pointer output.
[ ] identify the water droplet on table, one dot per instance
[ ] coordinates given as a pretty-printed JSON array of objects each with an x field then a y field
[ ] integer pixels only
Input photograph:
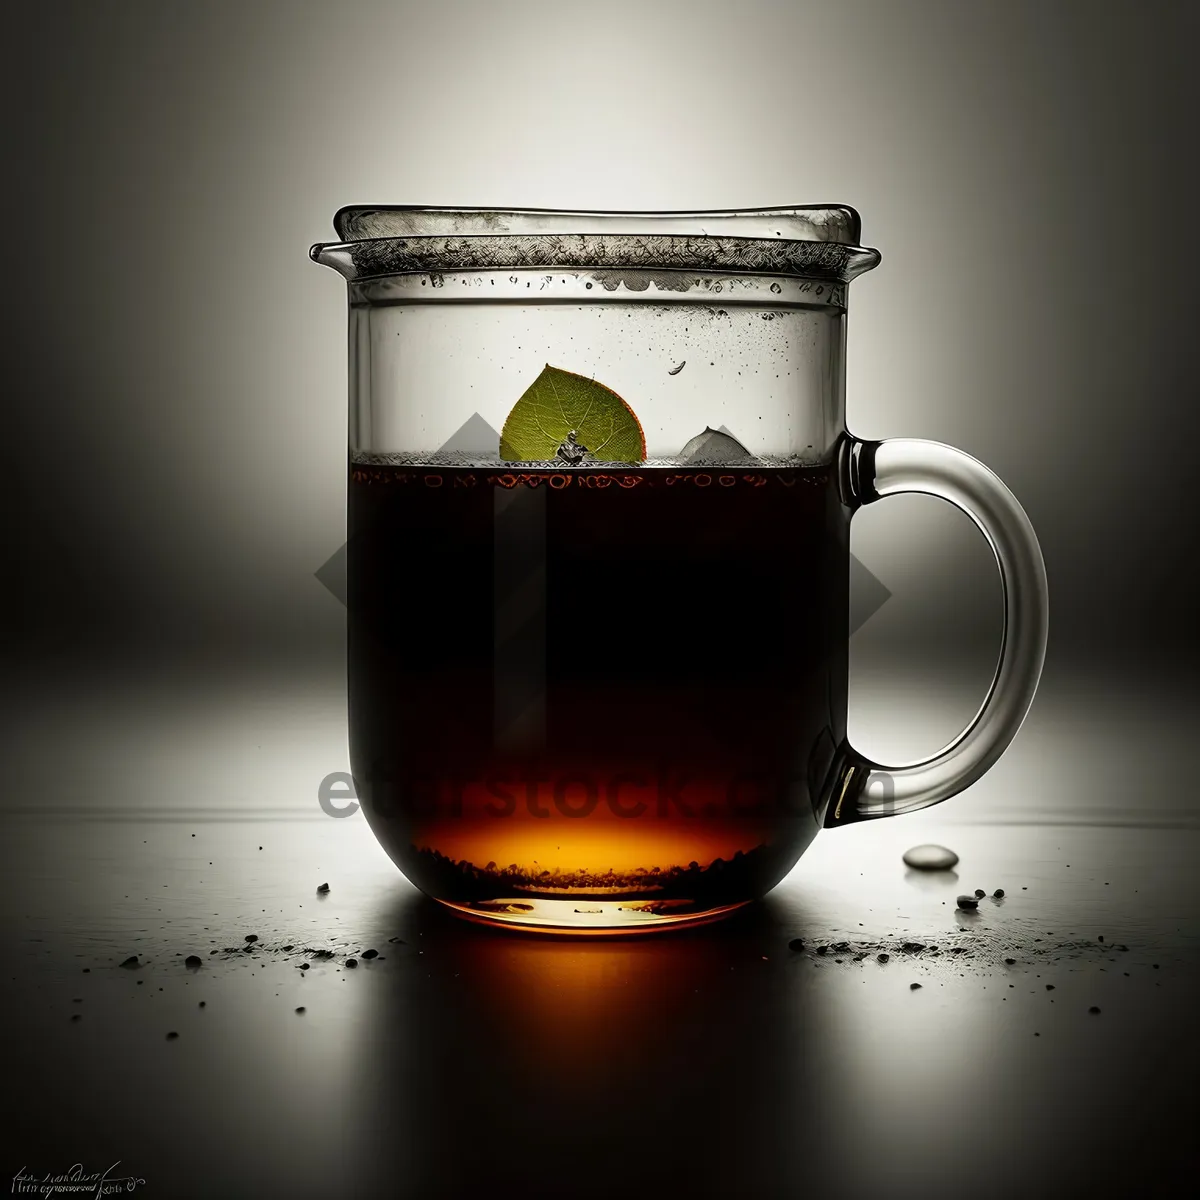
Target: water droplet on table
[{"x": 930, "y": 858}]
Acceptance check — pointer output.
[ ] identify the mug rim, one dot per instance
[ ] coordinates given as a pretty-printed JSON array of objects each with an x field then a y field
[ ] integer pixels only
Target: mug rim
[
  {"x": 816, "y": 241},
  {"x": 838, "y": 223}
]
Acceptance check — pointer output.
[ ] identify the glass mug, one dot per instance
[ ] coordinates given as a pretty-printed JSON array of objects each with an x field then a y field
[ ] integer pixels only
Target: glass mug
[{"x": 600, "y": 492}]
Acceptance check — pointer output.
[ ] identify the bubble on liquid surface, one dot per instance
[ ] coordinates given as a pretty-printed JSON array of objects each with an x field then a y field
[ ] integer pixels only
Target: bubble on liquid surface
[{"x": 930, "y": 858}]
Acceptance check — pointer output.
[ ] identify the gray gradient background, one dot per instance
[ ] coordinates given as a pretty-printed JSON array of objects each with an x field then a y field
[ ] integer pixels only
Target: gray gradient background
[
  {"x": 175, "y": 416},
  {"x": 174, "y": 441}
]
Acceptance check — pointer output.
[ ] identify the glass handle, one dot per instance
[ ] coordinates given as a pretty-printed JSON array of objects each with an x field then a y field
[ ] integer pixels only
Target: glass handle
[{"x": 864, "y": 789}]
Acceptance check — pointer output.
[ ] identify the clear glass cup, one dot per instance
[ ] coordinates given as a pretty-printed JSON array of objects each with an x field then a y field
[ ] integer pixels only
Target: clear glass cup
[{"x": 600, "y": 492}]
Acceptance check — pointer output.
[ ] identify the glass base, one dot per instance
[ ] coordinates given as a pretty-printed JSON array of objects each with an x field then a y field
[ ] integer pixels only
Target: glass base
[{"x": 590, "y": 917}]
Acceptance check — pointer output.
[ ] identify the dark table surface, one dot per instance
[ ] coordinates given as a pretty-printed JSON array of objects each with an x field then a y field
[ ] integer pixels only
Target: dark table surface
[{"x": 465, "y": 1062}]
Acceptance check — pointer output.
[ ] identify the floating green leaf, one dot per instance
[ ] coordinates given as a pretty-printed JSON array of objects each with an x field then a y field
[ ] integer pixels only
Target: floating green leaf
[{"x": 560, "y": 403}]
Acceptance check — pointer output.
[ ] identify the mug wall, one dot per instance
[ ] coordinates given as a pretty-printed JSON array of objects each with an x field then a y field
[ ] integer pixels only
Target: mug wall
[{"x": 760, "y": 358}]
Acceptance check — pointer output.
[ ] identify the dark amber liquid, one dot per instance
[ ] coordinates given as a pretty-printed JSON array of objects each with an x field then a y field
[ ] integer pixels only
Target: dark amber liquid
[{"x": 618, "y": 689}]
